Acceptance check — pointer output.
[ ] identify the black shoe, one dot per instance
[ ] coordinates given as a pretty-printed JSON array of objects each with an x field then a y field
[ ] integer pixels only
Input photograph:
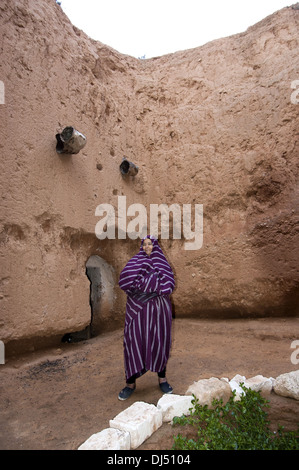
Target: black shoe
[
  {"x": 125, "y": 393},
  {"x": 165, "y": 387}
]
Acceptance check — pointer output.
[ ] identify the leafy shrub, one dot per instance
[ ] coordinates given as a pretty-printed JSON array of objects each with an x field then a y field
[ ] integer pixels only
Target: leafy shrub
[{"x": 237, "y": 425}]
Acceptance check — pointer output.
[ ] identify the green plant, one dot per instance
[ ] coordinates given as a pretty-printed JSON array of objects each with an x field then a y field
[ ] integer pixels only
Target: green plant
[{"x": 237, "y": 425}]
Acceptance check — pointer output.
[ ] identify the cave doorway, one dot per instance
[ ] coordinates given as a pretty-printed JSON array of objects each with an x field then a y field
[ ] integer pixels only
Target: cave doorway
[
  {"x": 93, "y": 272},
  {"x": 101, "y": 299},
  {"x": 102, "y": 293}
]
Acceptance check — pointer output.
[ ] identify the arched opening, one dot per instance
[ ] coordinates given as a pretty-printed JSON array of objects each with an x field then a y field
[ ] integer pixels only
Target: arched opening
[
  {"x": 93, "y": 272},
  {"x": 100, "y": 275}
]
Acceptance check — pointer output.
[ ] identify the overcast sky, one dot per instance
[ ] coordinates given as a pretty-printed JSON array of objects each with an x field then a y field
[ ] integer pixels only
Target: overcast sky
[{"x": 153, "y": 28}]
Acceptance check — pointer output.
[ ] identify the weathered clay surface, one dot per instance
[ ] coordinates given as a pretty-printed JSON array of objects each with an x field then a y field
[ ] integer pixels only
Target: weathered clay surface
[{"x": 213, "y": 125}]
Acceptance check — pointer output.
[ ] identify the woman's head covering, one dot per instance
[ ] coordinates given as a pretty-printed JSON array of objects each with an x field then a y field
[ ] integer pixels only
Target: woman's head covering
[
  {"x": 154, "y": 242},
  {"x": 137, "y": 264}
]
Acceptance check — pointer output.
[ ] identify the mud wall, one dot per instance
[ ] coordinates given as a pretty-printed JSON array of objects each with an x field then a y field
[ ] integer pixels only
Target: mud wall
[{"x": 213, "y": 125}]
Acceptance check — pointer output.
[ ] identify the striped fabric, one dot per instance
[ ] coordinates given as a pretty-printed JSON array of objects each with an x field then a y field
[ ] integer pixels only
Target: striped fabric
[{"x": 148, "y": 281}]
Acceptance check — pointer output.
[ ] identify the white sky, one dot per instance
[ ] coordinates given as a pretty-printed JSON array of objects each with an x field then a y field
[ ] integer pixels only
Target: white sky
[{"x": 153, "y": 28}]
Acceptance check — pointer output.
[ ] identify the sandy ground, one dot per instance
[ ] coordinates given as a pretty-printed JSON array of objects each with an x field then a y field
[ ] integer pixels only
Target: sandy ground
[{"x": 57, "y": 398}]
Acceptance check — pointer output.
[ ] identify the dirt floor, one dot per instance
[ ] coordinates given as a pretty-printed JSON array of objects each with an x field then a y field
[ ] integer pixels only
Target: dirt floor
[{"x": 57, "y": 398}]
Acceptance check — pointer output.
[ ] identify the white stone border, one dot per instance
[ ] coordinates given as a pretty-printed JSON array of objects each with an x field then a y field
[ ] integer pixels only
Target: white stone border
[{"x": 130, "y": 428}]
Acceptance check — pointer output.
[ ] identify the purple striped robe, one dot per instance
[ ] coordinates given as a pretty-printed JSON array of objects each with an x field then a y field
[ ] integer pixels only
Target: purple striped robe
[{"x": 148, "y": 282}]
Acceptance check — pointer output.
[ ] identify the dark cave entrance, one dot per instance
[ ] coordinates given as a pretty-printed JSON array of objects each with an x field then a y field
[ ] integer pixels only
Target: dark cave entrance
[
  {"x": 93, "y": 272},
  {"x": 94, "y": 266}
]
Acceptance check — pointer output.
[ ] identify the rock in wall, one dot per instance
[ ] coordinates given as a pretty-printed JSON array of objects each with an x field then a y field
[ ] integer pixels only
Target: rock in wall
[{"x": 215, "y": 125}]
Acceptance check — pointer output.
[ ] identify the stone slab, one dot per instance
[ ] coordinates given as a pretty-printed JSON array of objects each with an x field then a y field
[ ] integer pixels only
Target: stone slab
[
  {"x": 174, "y": 405},
  {"x": 141, "y": 420},
  {"x": 108, "y": 439}
]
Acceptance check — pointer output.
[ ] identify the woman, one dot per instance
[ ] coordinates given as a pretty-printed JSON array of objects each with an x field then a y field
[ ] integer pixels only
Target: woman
[{"x": 148, "y": 282}]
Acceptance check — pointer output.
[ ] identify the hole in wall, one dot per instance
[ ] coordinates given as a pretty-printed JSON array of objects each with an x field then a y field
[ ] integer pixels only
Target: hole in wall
[
  {"x": 93, "y": 272},
  {"x": 77, "y": 336},
  {"x": 100, "y": 275}
]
